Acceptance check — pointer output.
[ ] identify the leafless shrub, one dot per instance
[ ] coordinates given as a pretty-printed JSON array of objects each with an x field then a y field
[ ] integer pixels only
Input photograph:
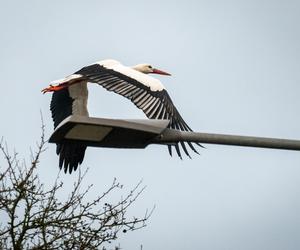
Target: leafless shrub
[{"x": 32, "y": 217}]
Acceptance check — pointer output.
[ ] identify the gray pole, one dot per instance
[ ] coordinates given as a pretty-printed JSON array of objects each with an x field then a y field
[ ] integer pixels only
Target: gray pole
[{"x": 169, "y": 136}]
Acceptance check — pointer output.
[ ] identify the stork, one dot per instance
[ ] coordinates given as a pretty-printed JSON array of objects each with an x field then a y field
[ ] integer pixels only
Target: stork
[{"x": 70, "y": 96}]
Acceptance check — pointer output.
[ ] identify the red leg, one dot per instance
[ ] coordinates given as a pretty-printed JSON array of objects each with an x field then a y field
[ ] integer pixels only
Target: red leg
[{"x": 52, "y": 88}]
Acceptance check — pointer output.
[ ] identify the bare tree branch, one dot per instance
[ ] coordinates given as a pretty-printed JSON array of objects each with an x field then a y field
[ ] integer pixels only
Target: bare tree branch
[{"x": 36, "y": 219}]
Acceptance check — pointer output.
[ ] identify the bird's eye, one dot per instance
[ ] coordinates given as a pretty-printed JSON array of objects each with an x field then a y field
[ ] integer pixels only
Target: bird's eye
[{"x": 150, "y": 67}]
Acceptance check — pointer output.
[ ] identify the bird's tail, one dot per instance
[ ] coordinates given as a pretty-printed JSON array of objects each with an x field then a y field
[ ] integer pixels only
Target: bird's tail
[{"x": 71, "y": 155}]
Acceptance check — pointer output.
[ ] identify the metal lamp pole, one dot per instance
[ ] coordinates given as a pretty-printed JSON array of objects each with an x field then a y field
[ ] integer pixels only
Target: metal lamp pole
[{"x": 169, "y": 136}]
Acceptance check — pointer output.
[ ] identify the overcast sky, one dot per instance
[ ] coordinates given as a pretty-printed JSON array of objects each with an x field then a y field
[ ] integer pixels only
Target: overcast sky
[{"x": 235, "y": 69}]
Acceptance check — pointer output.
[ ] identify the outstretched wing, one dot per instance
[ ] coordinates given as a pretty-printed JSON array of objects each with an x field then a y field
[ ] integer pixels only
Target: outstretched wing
[
  {"x": 146, "y": 92},
  {"x": 66, "y": 102}
]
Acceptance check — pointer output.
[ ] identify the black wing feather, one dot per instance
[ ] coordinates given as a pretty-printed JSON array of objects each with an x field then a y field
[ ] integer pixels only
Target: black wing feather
[
  {"x": 61, "y": 106},
  {"x": 155, "y": 104}
]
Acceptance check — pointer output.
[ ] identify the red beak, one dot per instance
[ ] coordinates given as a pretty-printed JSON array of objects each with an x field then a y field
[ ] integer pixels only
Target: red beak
[{"x": 160, "y": 72}]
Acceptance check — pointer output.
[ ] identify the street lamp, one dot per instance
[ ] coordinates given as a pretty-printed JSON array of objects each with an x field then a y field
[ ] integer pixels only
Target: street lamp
[{"x": 139, "y": 133}]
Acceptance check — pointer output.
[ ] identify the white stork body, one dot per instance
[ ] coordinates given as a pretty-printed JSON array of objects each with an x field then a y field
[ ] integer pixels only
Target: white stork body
[
  {"x": 79, "y": 93},
  {"x": 147, "y": 93}
]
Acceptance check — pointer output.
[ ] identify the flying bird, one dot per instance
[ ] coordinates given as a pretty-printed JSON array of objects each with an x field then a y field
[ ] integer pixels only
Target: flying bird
[{"x": 70, "y": 96}]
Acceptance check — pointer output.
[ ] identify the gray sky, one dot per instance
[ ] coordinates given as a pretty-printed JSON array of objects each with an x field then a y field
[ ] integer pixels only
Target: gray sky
[{"x": 235, "y": 69}]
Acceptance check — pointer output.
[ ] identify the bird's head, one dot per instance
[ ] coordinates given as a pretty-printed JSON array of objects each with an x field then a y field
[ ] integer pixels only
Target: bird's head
[{"x": 148, "y": 69}]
